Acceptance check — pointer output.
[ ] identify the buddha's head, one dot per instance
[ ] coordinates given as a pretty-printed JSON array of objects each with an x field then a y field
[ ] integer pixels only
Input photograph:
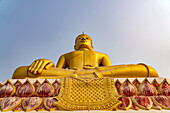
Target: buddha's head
[{"x": 83, "y": 42}]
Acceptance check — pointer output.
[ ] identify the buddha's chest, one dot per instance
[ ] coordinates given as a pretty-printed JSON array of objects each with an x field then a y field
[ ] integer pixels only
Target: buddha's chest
[{"x": 79, "y": 59}]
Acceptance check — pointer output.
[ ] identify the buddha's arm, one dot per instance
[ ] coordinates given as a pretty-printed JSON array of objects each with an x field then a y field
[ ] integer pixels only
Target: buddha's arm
[
  {"x": 106, "y": 60},
  {"x": 61, "y": 62}
]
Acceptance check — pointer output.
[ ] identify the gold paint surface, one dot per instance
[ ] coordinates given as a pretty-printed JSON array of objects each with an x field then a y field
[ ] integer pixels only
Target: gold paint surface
[{"x": 87, "y": 94}]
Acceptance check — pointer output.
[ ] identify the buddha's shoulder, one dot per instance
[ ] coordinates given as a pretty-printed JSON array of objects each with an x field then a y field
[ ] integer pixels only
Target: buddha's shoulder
[{"x": 101, "y": 54}]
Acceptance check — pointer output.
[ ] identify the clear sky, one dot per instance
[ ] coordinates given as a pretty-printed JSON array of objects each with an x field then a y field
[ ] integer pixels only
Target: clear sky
[{"x": 128, "y": 31}]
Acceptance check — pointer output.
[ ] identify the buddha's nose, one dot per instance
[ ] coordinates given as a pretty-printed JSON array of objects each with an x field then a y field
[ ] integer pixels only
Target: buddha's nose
[{"x": 83, "y": 38}]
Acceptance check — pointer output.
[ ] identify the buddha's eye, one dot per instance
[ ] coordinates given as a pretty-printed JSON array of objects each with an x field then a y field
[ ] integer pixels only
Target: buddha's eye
[
  {"x": 79, "y": 38},
  {"x": 87, "y": 38}
]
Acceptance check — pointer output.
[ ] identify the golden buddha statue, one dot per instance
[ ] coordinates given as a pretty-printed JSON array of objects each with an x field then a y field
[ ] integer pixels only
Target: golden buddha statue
[{"x": 83, "y": 62}]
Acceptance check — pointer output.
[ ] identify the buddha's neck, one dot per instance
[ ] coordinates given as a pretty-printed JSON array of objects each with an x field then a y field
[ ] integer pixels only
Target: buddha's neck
[{"x": 83, "y": 49}]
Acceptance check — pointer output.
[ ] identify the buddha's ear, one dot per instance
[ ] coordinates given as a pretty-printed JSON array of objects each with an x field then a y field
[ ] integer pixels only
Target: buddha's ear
[
  {"x": 74, "y": 47},
  {"x": 92, "y": 47}
]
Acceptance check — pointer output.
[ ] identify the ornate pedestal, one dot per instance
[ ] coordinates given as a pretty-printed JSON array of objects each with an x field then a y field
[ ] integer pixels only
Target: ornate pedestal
[{"x": 117, "y": 95}]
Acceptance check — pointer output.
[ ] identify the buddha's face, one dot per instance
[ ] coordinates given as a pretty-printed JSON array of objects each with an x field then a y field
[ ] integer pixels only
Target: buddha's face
[{"x": 83, "y": 42}]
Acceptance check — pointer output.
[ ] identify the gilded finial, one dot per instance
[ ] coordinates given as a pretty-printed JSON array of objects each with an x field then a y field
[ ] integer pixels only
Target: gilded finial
[{"x": 83, "y": 33}]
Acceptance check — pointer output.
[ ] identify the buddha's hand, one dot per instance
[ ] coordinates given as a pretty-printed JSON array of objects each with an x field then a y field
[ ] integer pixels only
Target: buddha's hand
[
  {"x": 88, "y": 67},
  {"x": 38, "y": 65}
]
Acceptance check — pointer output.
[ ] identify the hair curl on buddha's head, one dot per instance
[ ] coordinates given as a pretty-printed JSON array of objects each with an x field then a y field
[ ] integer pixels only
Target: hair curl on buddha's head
[{"x": 79, "y": 36}]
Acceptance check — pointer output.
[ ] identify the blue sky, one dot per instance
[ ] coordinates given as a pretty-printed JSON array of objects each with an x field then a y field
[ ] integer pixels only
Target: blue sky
[{"x": 129, "y": 31}]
